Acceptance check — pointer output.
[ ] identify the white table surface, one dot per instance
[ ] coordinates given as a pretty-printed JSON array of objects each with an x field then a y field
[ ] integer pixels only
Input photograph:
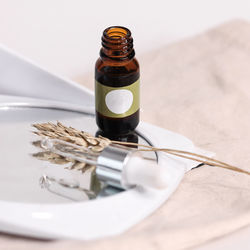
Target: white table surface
[{"x": 63, "y": 36}]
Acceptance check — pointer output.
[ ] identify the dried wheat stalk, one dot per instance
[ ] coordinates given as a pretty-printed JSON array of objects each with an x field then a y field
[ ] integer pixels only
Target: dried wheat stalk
[
  {"x": 68, "y": 134},
  {"x": 97, "y": 144}
]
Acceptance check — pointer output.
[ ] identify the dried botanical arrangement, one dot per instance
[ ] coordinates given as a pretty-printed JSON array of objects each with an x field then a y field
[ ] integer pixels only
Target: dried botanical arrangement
[
  {"x": 67, "y": 134},
  {"x": 97, "y": 144}
]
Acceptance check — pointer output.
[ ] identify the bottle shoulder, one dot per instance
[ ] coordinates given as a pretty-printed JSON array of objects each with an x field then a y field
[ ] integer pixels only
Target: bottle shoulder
[
  {"x": 133, "y": 63},
  {"x": 119, "y": 73}
]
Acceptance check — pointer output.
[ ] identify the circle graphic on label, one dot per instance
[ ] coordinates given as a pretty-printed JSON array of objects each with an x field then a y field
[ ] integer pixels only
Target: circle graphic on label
[{"x": 119, "y": 101}]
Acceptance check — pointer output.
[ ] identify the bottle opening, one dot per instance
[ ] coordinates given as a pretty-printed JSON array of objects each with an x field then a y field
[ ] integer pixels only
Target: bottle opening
[
  {"x": 117, "y": 43},
  {"x": 117, "y": 32}
]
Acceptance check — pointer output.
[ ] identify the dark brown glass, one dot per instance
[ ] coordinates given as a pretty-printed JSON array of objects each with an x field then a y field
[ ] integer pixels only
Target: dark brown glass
[
  {"x": 117, "y": 67},
  {"x": 130, "y": 137}
]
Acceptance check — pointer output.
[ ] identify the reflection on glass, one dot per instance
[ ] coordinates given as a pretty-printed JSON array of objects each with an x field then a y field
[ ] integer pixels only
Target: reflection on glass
[{"x": 70, "y": 188}]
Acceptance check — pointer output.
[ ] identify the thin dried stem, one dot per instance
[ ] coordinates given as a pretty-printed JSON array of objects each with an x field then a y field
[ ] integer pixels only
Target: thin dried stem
[{"x": 183, "y": 154}]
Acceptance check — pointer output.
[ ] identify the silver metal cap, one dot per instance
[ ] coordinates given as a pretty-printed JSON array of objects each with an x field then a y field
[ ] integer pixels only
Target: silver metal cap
[{"x": 110, "y": 165}]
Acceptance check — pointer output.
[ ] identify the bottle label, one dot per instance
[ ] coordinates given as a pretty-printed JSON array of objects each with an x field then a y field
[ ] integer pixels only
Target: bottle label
[{"x": 117, "y": 102}]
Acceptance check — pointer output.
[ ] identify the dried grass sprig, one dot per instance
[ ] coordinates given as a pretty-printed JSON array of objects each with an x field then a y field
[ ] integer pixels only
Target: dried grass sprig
[
  {"x": 97, "y": 144},
  {"x": 67, "y": 134}
]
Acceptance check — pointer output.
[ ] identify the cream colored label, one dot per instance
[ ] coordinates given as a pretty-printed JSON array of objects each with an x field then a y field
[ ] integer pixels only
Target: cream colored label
[{"x": 117, "y": 102}]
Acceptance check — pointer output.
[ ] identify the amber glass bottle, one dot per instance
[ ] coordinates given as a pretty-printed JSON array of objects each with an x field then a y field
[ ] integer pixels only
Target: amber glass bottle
[{"x": 117, "y": 83}]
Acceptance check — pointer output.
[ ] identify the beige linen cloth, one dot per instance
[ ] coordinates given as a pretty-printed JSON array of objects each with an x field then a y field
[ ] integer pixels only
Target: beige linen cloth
[{"x": 200, "y": 88}]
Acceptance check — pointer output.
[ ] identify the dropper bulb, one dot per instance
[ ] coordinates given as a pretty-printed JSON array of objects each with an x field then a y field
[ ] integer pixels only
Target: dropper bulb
[{"x": 147, "y": 173}]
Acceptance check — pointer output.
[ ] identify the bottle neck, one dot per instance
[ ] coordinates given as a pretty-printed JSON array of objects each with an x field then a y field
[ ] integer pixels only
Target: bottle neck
[{"x": 117, "y": 44}]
